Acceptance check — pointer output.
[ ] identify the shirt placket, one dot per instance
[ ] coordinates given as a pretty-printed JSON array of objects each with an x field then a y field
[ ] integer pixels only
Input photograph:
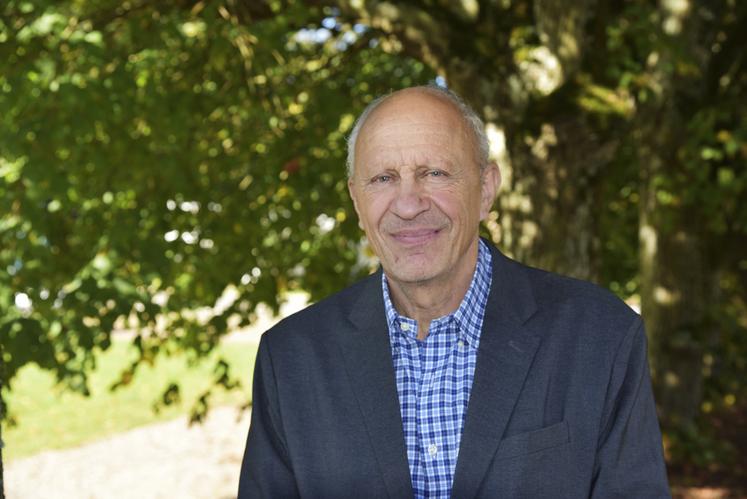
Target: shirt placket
[
  {"x": 410, "y": 361},
  {"x": 434, "y": 381},
  {"x": 430, "y": 440}
]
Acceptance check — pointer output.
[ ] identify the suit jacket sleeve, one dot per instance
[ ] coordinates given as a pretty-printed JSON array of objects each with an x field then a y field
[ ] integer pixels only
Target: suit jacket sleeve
[
  {"x": 266, "y": 470},
  {"x": 630, "y": 461}
]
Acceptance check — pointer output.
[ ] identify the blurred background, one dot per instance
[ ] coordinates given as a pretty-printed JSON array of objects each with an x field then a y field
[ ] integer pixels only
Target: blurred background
[{"x": 172, "y": 178}]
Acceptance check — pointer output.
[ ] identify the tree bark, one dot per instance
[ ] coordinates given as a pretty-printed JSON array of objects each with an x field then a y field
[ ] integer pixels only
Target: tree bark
[
  {"x": 547, "y": 209},
  {"x": 679, "y": 286},
  {"x": 674, "y": 280}
]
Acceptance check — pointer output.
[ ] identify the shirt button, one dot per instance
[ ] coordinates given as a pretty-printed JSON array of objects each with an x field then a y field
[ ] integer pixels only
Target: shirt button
[
  {"x": 432, "y": 450},
  {"x": 460, "y": 343},
  {"x": 405, "y": 326}
]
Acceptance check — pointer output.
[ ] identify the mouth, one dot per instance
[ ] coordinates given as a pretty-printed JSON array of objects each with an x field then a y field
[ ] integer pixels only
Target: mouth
[{"x": 415, "y": 237}]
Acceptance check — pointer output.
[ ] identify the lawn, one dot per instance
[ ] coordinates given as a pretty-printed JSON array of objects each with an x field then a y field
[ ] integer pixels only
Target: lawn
[{"x": 49, "y": 417}]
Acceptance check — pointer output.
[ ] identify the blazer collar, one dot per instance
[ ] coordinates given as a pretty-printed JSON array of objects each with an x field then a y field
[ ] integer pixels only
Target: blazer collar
[
  {"x": 505, "y": 354},
  {"x": 368, "y": 361},
  {"x": 503, "y": 359}
]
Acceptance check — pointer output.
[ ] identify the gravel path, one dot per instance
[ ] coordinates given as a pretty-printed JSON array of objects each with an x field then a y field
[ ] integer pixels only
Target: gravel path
[{"x": 164, "y": 460}]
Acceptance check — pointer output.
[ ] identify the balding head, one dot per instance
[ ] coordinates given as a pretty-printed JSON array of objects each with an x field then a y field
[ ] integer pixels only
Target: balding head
[{"x": 471, "y": 124}]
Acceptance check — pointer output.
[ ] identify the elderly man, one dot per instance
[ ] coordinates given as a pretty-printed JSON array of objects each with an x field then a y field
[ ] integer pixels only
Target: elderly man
[{"x": 453, "y": 371}]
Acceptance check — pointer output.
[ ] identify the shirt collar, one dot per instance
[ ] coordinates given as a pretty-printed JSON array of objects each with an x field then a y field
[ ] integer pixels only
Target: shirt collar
[{"x": 468, "y": 316}]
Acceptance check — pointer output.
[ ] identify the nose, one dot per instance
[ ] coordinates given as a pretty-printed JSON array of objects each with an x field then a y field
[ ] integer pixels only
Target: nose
[{"x": 410, "y": 199}]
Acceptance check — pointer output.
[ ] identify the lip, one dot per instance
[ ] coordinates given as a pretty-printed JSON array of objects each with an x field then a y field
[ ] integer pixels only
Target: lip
[{"x": 415, "y": 237}]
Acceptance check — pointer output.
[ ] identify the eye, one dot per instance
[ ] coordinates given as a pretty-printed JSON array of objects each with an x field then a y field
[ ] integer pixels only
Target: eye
[
  {"x": 381, "y": 179},
  {"x": 436, "y": 173}
]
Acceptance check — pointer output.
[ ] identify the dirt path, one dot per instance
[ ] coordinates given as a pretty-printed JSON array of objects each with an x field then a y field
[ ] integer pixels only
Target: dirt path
[{"x": 164, "y": 460}]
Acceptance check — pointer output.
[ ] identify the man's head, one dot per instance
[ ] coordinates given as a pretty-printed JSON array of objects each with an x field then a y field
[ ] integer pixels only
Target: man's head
[
  {"x": 471, "y": 119},
  {"x": 421, "y": 183}
]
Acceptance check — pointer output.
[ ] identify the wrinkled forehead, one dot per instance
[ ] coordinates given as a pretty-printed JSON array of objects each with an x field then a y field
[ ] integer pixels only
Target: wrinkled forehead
[
  {"x": 414, "y": 107},
  {"x": 415, "y": 120},
  {"x": 414, "y": 142},
  {"x": 411, "y": 130}
]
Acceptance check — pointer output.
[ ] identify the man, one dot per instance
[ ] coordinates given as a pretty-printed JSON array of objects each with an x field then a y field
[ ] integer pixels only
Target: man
[{"x": 453, "y": 371}]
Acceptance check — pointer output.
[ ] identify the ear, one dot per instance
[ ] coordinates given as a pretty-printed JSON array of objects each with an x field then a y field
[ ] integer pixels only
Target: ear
[
  {"x": 353, "y": 196},
  {"x": 491, "y": 181}
]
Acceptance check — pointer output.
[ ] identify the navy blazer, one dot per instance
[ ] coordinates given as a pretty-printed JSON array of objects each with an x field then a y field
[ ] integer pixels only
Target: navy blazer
[{"x": 561, "y": 405}]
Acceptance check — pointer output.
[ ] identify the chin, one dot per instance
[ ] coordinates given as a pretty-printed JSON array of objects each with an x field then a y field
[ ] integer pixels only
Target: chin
[
  {"x": 412, "y": 274},
  {"x": 413, "y": 265}
]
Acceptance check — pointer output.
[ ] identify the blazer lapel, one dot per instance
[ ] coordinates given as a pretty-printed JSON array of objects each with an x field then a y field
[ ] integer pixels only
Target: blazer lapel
[
  {"x": 505, "y": 354},
  {"x": 368, "y": 361}
]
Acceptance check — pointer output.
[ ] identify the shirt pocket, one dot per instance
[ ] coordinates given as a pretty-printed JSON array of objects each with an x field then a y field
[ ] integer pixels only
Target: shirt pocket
[{"x": 533, "y": 441}]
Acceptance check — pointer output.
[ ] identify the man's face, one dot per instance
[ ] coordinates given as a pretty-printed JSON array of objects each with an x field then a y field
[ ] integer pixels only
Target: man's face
[{"x": 418, "y": 190}]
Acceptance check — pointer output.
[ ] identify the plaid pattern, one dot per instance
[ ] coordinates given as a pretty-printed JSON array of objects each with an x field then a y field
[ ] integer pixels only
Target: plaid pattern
[{"x": 434, "y": 380}]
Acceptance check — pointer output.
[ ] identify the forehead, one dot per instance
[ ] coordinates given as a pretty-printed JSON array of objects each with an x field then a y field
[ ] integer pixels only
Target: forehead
[{"x": 413, "y": 126}]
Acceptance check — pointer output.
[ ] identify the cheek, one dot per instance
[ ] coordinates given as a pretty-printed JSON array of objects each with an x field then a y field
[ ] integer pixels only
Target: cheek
[
  {"x": 373, "y": 209},
  {"x": 455, "y": 205}
]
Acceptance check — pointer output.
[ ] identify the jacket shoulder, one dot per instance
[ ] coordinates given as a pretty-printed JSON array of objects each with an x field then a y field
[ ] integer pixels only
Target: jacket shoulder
[
  {"x": 587, "y": 311},
  {"x": 565, "y": 306},
  {"x": 552, "y": 291}
]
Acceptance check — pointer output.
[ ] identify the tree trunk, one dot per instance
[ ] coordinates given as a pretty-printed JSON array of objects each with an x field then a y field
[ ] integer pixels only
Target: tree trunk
[
  {"x": 547, "y": 207},
  {"x": 674, "y": 278},
  {"x": 678, "y": 285}
]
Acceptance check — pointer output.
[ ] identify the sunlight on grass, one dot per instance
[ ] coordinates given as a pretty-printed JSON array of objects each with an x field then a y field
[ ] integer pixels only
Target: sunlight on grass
[{"x": 52, "y": 418}]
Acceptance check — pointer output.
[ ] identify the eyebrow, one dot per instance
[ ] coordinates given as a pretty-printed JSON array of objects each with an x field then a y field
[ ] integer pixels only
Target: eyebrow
[{"x": 419, "y": 161}]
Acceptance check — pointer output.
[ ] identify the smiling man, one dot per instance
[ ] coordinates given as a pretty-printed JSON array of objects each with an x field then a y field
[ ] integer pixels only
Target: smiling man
[{"x": 453, "y": 371}]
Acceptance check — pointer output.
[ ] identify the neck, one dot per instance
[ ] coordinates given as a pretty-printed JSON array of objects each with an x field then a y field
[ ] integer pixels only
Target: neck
[{"x": 428, "y": 300}]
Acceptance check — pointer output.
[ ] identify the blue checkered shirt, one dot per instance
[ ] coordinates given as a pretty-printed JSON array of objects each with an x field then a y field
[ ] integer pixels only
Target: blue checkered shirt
[{"x": 434, "y": 379}]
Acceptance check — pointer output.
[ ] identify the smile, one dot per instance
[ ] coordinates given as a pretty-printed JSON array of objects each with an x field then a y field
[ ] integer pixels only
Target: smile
[{"x": 415, "y": 237}]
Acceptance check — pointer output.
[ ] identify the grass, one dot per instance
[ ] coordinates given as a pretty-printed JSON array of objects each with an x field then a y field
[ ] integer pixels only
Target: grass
[{"x": 50, "y": 417}]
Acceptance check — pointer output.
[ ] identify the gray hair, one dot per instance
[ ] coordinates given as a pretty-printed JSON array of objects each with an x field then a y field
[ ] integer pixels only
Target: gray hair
[{"x": 471, "y": 119}]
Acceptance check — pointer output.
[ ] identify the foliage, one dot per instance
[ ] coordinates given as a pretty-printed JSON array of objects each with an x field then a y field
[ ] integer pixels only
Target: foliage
[{"x": 152, "y": 159}]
